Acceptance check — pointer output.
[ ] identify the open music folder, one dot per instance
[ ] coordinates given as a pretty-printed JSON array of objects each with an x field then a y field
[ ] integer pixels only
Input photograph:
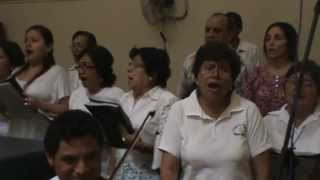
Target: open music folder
[
  {"x": 113, "y": 120},
  {"x": 12, "y": 103}
]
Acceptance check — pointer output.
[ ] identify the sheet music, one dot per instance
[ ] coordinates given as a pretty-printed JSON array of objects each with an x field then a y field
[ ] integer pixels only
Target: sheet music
[{"x": 113, "y": 120}]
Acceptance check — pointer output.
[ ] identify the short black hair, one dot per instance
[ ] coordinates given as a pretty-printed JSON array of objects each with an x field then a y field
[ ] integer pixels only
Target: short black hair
[
  {"x": 217, "y": 51},
  {"x": 291, "y": 36},
  {"x": 309, "y": 67},
  {"x": 102, "y": 58},
  {"x": 156, "y": 62},
  {"x": 229, "y": 25},
  {"x": 236, "y": 21},
  {"x": 91, "y": 38},
  {"x": 71, "y": 125},
  {"x": 14, "y": 52}
]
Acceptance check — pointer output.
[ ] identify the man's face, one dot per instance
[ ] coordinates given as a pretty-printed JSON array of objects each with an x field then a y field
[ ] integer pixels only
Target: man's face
[
  {"x": 77, "y": 159},
  {"x": 217, "y": 30},
  {"x": 79, "y": 44}
]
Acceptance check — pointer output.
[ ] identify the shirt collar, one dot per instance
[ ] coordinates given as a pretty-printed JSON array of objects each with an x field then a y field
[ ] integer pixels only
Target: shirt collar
[
  {"x": 73, "y": 67},
  {"x": 153, "y": 93},
  {"x": 284, "y": 115},
  {"x": 240, "y": 48},
  {"x": 193, "y": 108},
  {"x": 315, "y": 116}
]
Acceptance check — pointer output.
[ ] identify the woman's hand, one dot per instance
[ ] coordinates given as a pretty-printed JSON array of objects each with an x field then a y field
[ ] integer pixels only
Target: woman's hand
[
  {"x": 262, "y": 164},
  {"x": 170, "y": 167},
  {"x": 140, "y": 145},
  {"x": 54, "y": 108},
  {"x": 32, "y": 102}
]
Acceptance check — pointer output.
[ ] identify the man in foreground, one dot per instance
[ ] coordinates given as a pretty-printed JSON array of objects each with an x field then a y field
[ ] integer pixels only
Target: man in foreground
[{"x": 73, "y": 145}]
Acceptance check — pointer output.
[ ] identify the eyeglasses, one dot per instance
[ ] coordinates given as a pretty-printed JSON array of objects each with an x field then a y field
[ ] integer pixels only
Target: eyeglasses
[
  {"x": 307, "y": 82},
  {"x": 85, "y": 66},
  {"x": 213, "y": 67},
  {"x": 135, "y": 65},
  {"x": 78, "y": 45}
]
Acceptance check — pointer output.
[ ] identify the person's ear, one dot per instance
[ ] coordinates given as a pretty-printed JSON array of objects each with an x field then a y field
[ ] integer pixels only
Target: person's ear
[
  {"x": 196, "y": 82},
  {"x": 50, "y": 159},
  {"x": 318, "y": 92},
  {"x": 50, "y": 48}
]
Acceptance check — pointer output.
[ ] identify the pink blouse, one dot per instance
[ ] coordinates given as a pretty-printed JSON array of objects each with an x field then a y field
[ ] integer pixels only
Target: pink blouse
[{"x": 264, "y": 89}]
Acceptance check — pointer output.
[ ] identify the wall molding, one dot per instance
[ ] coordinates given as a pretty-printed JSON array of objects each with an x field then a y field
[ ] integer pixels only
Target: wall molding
[{"x": 33, "y": 1}]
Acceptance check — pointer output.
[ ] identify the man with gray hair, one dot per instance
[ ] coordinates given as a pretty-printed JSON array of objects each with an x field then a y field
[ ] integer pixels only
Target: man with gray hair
[{"x": 219, "y": 28}]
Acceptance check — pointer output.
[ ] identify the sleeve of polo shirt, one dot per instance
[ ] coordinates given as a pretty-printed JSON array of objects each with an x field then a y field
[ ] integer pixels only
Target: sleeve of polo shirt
[
  {"x": 258, "y": 137},
  {"x": 171, "y": 138}
]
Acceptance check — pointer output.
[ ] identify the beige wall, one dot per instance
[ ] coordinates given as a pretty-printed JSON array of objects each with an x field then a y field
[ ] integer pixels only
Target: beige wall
[{"x": 119, "y": 24}]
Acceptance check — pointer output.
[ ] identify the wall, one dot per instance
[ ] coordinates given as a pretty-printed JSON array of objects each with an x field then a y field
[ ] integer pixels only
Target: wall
[{"x": 119, "y": 25}]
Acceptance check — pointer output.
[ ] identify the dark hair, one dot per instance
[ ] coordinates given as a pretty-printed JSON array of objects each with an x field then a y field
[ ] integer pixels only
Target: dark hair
[
  {"x": 71, "y": 125},
  {"x": 3, "y": 33},
  {"x": 156, "y": 62},
  {"x": 235, "y": 20},
  {"x": 48, "y": 39},
  {"x": 103, "y": 60},
  {"x": 230, "y": 24},
  {"x": 217, "y": 51},
  {"x": 14, "y": 53},
  {"x": 291, "y": 36},
  {"x": 49, "y": 61},
  {"x": 309, "y": 67}
]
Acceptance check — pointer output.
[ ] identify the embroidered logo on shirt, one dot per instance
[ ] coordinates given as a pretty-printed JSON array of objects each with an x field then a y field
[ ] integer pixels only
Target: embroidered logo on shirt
[{"x": 239, "y": 130}]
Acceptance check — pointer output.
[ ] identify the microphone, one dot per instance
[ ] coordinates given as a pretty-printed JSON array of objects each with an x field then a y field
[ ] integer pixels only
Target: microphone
[
  {"x": 164, "y": 40},
  {"x": 151, "y": 113},
  {"x": 317, "y": 8},
  {"x": 149, "y": 116}
]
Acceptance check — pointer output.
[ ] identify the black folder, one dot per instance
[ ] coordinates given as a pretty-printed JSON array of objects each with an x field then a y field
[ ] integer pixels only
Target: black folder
[
  {"x": 12, "y": 103},
  {"x": 113, "y": 120}
]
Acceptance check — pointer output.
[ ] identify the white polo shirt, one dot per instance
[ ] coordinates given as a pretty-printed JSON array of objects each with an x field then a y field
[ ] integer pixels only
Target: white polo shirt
[
  {"x": 156, "y": 99},
  {"x": 249, "y": 54},
  {"x": 55, "y": 178},
  {"x": 306, "y": 136},
  {"x": 81, "y": 96},
  {"x": 215, "y": 149}
]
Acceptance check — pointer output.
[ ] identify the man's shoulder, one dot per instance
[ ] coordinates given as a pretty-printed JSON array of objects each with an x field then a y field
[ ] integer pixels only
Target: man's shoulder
[
  {"x": 245, "y": 45},
  {"x": 55, "y": 178}
]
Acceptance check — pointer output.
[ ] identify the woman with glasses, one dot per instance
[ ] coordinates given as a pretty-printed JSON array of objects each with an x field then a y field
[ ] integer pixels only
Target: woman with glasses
[
  {"x": 214, "y": 133},
  {"x": 307, "y": 116},
  {"x": 97, "y": 77},
  {"x": 148, "y": 72},
  {"x": 44, "y": 84}
]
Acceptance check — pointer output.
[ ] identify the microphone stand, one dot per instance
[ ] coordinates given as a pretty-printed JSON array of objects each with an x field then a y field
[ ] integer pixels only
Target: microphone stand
[
  {"x": 288, "y": 158},
  {"x": 132, "y": 144}
]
